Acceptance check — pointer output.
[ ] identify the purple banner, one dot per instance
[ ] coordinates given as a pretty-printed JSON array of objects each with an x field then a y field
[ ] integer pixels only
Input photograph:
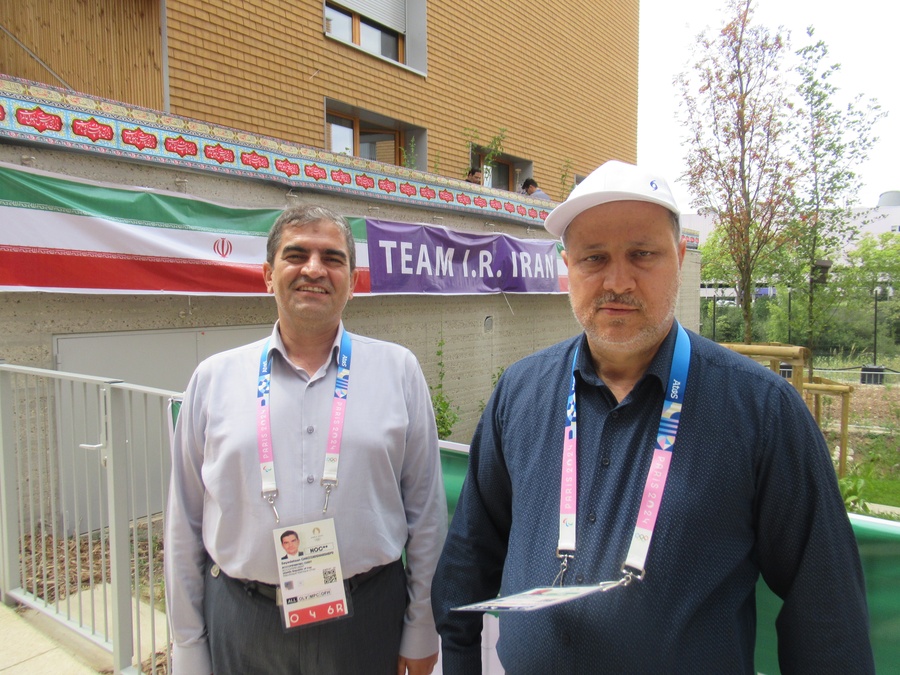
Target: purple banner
[{"x": 405, "y": 258}]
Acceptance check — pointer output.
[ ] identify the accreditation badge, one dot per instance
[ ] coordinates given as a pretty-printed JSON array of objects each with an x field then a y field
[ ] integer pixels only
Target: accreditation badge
[{"x": 310, "y": 580}]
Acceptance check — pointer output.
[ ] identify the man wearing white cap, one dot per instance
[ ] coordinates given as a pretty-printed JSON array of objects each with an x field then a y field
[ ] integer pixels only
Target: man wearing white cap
[{"x": 655, "y": 464}]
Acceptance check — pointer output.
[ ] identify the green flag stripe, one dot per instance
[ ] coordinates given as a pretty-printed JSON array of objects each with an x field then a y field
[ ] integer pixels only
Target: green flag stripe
[
  {"x": 31, "y": 190},
  {"x": 358, "y": 227}
]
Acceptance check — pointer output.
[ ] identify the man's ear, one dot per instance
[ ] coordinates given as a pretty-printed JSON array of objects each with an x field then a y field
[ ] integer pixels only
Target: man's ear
[
  {"x": 267, "y": 277},
  {"x": 354, "y": 277}
]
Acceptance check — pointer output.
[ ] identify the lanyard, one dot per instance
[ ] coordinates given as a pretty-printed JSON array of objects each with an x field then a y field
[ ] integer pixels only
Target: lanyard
[
  {"x": 656, "y": 477},
  {"x": 335, "y": 432}
]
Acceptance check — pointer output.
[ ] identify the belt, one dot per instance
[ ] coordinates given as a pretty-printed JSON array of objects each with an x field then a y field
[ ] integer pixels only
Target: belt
[
  {"x": 270, "y": 591},
  {"x": 358, "y": 580}
]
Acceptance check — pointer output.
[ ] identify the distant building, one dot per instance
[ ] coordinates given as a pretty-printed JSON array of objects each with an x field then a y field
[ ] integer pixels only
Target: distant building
[{"x": 885, "y": 217}]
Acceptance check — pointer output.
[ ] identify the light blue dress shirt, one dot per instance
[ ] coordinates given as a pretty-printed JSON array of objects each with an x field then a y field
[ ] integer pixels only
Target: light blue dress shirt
[{"x": 389, "y": 496}]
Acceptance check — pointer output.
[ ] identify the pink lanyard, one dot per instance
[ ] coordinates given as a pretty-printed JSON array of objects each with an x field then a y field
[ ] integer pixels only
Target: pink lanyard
[
  {"x": 656, "y": 477},
  {"x": 335, "y": 432}
]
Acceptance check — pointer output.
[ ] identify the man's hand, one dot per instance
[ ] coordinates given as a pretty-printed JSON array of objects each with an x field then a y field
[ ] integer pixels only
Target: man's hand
[{"x": 416, "y": 666}]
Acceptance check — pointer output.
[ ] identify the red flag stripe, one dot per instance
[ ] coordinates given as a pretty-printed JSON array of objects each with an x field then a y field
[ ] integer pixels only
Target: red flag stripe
[{"x": 84, "y": 270}]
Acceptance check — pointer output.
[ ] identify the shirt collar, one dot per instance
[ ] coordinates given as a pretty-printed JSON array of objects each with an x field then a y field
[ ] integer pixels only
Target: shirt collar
[
  {"x": 277, "y": 344},
  {"x": 659, "y": 367}
]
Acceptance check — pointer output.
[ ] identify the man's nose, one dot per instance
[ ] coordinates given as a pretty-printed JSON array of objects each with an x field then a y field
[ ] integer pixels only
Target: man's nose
[
  {"x": 314, "y": 267},
  {"x": 619, "y": 277}
]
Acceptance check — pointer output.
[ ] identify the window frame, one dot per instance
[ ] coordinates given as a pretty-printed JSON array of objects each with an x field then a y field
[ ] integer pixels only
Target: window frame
[
  {"x": 357, "y": 20},
  {"x": 366, "y": 121},
  {"x": 517, "y": 167}
]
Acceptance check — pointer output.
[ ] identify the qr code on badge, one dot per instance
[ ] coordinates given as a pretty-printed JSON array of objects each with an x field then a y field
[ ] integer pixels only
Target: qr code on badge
[{"x": 328, "y": 575}]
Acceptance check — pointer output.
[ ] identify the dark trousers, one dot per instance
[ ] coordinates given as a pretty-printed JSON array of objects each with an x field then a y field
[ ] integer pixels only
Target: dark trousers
[{"x": 246, "y": 634}]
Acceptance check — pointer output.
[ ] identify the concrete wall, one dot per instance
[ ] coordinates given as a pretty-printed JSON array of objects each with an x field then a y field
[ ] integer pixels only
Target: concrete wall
[{"x": 481, "y": 333}]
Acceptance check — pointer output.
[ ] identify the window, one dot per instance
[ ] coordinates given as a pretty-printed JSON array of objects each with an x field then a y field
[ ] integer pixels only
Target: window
[
  {"x": 378, "y": 40},
  {"x": 340, "y": 135},
  {"x": 390, "y": 29},
  {"x": 352, "y": 131},
  {"x": 362, "y": 31},
  {"x": 507, "y": 172},
  {"x": 348, "y": 136}
]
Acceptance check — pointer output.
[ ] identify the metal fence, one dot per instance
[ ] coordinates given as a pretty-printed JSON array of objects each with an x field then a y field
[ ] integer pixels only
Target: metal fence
[
  {"x": 84, "y": 476},
  {"x": 84, "y": 470},
  {"x": 876, "y": 375}
]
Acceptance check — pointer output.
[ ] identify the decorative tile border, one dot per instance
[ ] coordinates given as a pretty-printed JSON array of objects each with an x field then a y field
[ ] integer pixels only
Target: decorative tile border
[{"x": 37, "y": 113}]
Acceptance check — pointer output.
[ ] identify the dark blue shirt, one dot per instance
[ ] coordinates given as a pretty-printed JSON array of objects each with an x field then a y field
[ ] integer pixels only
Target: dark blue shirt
[{"x": 751, "y": 490}]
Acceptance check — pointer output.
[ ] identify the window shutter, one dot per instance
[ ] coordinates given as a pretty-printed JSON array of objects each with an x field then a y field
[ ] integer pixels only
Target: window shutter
[{"x": 389, "y": 13}]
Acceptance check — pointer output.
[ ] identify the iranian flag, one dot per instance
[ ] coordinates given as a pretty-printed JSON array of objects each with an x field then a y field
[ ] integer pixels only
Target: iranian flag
[
  {"x": 76, "y": 236},
  {"x": 69, "y": 235}
]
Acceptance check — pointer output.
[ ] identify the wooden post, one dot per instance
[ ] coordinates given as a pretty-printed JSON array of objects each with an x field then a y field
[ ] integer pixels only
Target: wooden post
[
  {"x": 845, "y": 433},
  {"x": 773, "y": 355}
]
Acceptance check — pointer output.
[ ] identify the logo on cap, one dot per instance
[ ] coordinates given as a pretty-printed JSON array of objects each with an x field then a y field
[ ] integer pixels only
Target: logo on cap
[{"x": 654, "y": 185}]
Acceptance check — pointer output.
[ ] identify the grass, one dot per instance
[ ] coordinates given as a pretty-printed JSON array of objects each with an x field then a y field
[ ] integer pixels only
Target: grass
[
  {"x": 882, "y": 491},
  {"x": 827, "y": 362},
  {"x": 873, "y": 452}
]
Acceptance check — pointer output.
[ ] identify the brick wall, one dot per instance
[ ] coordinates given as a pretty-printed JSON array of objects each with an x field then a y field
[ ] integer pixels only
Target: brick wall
[
  {"x": 561, "y": 80},
  {"x": 560, "y": 77},
  {"x": 108, "y": 48}
]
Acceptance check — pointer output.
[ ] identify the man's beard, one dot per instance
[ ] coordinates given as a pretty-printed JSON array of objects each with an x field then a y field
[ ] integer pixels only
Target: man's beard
[{"x": 645, "y": 337}]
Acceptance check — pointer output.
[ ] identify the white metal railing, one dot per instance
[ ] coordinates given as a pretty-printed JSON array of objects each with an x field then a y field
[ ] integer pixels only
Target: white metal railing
[
  {"x": 84, "y": 476},
  {"x": 84, "y": 472}
]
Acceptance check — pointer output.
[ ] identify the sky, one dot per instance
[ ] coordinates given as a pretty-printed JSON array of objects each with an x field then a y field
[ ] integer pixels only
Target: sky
[{"x": 861, "y": 35}]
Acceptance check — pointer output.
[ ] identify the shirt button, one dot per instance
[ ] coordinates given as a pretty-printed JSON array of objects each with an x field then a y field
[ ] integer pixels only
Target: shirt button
[
  {"x": 592, "y": 518},
  {"x": 566, "y": 639},
  {"x": 310, "y": 429},
  {"x": 310, "y": 478},
  {"x": 579, "y": 578},
  {"x": 614, "y": 414},
  {"x": 605, "y": 461}
]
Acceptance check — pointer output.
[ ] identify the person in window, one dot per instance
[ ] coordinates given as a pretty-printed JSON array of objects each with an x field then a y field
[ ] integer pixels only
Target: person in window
[
  {"x": 530, "y": 188},
  {"x": 475, "y": 175}
]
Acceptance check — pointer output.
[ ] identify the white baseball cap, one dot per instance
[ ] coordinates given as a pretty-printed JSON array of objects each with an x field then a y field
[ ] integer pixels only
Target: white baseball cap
[{"x": 614, "y": 181}]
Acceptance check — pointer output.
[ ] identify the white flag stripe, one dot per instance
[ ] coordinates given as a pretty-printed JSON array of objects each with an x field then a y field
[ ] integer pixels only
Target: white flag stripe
[
  {"x": 362, "y": 255},
  {"x": 48, "y": 229}
]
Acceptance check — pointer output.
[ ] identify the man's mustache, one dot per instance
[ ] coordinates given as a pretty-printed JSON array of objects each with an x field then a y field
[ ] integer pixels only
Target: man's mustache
[{"x": 617, "y": 299}]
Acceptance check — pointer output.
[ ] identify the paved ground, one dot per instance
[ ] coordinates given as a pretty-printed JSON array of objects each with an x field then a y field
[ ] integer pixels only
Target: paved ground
[
  {"x": 29, "y": 650},
  {"x": 881, "y": 508}
]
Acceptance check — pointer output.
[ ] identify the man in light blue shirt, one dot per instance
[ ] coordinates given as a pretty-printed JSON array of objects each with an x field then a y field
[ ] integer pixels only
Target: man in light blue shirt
[{"x": 387, "y": 498}]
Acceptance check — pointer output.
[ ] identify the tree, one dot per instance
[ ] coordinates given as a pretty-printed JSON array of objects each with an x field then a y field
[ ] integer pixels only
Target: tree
[
  {"x": 873, "y": 265},
  {"x": 830, "y": 143},
  {"x": 738, "y": 118}
]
